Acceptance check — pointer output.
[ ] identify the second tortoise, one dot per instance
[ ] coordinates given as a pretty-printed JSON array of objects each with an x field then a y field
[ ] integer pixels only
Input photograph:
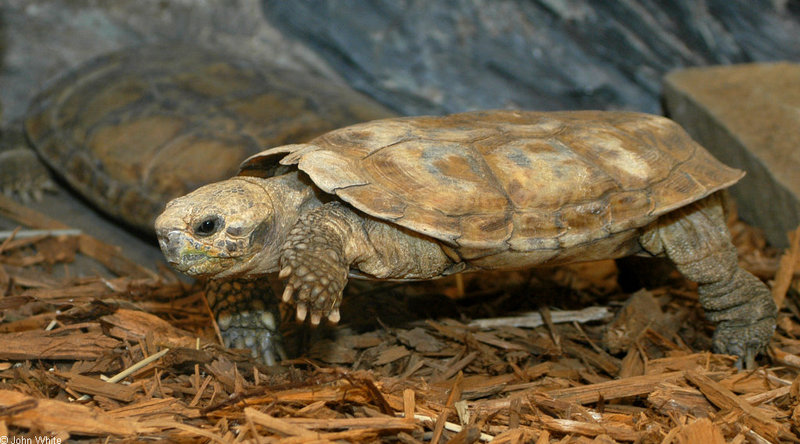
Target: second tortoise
[{"x": 425, "y": 197}]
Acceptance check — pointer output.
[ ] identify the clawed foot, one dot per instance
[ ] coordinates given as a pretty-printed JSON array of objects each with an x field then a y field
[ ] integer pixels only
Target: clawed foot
[
  {"x": 744, "y": 341},
  {"x": 257, "y": 331},
  {"x": 23, "y": 176},
  {"x": 248, "y": 316},
  {"x": 315, "y": 279}
]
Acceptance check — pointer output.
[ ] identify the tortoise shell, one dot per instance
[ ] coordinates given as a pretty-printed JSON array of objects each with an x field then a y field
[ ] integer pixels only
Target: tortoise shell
[
  {"x": 133, "y": 129},
  {"x": 511, "y": 180}
]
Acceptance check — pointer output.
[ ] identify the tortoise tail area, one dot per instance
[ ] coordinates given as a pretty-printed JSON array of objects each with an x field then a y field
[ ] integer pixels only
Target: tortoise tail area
[{"x": 696, "y": 239}]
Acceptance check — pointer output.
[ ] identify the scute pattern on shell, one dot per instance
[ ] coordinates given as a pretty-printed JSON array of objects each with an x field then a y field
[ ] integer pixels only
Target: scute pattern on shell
[
  {"x": 133, "y": 129},
  {"x": 513, "y": 180}
]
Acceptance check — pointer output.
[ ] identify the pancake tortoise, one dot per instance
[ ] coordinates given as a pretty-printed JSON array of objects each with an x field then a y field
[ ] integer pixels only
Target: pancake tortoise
[{"x": 425, "y": 197}]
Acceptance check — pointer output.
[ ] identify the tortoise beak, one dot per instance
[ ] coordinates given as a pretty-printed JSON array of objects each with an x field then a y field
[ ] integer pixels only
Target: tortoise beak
[
  {"x": 171, "y": 243},
  {"x": 171, "y": 238},
  {"x": 187, "y": 255},
  {"x": 184, "y": 254}
]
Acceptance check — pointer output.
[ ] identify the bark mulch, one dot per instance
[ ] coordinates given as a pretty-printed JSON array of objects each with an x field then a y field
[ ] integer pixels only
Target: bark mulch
[{"x": 577, "y": 354}]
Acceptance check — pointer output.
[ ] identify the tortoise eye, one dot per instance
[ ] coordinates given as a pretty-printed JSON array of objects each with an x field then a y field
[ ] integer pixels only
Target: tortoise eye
[{"x": 208, "y": 226}]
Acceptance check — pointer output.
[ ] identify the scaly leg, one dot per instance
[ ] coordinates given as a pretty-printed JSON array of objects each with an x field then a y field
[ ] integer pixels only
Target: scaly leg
[
  {"x": 248, "y": 317},
  {"x": 331, "y": 241},
  {"x": 696, "y": 239}
]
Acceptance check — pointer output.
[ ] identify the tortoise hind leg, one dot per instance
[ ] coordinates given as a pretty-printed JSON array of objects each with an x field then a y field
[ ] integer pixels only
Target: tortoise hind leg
[
  {"x": 248, "y": 316},
  {"x": 696, "y": 239}
]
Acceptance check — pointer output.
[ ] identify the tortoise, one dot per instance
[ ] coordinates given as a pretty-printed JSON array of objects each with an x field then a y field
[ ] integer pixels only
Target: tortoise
[
  {"x": 424, "y": 197},
  {"x": 134, "y": 128}
]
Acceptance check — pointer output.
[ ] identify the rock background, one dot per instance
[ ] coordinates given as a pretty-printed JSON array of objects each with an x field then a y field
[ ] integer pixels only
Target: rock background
[
  {"x": 442, "y": 56},
  {"x": 419, "y": 56},
  {"x": 40, "y": 39}
]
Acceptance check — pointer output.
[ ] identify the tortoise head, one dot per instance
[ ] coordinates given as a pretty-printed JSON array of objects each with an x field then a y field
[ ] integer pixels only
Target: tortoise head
[{"x": 221, "y": 229}]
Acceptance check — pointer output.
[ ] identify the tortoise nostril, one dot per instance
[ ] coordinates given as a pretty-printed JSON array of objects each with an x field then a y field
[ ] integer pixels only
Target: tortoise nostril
[{"x": 170, "y": 243}]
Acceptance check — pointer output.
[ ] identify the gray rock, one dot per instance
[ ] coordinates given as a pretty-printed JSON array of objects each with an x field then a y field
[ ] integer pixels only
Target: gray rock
[
  {"x": 40, "y": 39},
  {"x": 749, "y": 117},
  {"x": 421, "y": 56}
]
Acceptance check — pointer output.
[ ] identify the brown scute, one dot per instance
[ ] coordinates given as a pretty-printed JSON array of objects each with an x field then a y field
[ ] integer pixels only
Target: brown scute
[
  {"x": 661, "y": 132},
  {"x": 49, "y": 146},
  {"x": 93, "y": 101},
  {"x": 383, "y": 205},
  {"x": 492, "y": 229},
  {"x": 106, "y": 188},
  {"x": 359, "y": 141},
  {"x": 627, "y": 209},
  {"x": 157, "y": 121},
  {"x": 331, "y": 170},
  {"x": 539, "y": 174},
  {"x": 166, "y": 177},
  {"x": 217, "y": 80},
  {"x": 705, "y": 173},
  {"x": 431, "y": 223},
  {"x": 584, "y": 222},
  {"x": 629, "y": 161},
  {"x": 446, "y": 177},
  {"x": 556, "y": 180},
  {"x": 131, "y": 207},
  {"x": 83, "y": 168},
  {"x": 535, "y": 230},
  {"x": 266, "y": 111},
  {"x": 128, "y": 146}
]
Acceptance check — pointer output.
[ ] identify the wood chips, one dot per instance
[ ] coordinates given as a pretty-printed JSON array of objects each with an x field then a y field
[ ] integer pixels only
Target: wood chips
[{"x": 134, "y": 357}]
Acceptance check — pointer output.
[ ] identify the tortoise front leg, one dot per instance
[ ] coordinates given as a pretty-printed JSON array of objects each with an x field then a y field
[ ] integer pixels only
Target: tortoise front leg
[
  {"x": 696, "y": 239},
  {"x": 248, "y": 316},
  {"x": 329, "y": 241}
]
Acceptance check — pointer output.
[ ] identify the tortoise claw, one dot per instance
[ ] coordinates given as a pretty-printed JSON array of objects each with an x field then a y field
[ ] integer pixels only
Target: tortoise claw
[
  {"x": 248, "y": 316},
  {"x": 302, "y": 310},
  {"x": 745, "y": 341},
  {"x": 265, "y": 344},
  {"x": 255, "y": 330},
  {"x": 22, "y": 176},
  {"x": 287, "y": 293},
  {"x": 315, "y": 278}
]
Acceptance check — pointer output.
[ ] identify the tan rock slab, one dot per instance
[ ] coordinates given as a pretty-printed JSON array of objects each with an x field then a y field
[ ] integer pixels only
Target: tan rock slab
[{"x": 749, "y": 117}]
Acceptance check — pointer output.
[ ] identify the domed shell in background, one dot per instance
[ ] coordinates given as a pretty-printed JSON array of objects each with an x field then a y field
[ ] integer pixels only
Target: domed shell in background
[{"x": 133, "y": 129}]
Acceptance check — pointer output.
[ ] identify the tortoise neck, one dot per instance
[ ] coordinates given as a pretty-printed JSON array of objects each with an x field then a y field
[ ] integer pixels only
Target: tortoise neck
[{"x": 290, "y": 194}]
